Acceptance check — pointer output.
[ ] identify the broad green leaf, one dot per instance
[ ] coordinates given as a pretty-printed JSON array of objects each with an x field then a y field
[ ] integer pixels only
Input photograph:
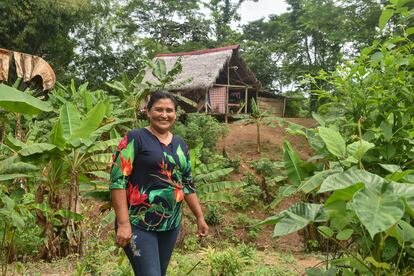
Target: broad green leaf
[
  {"x": 391, "y": 168},
  {"x": 4, "y": 177},
  {"x": 117, "y": 86},
  {"x": 386, "y": 130},
  {"x": 378, "y": 207},
  {"x": 270, "y": 220},
  {"x": 293, "y": 165},
  {"x": 90, "y": 123},
  {"x": 403, "y": 232},
  {"x": 333, "y": 141},
  {"x": 297, "y": 217},
  {"x": 349, "y": 178},
  {"x": 216, "y": 197},
  {"x": 36, "y": 148},
  {"x": 109, "y": 218},
  {"x": 100, "y": 174},
  {"x": 409, "y": 31},
  {"x": 56, "y": 135},
  {"x": 108, "y": 127},
  {"x": 102, "y": 158},
  {"x": 344, "y": 194},
  {"x": 319, "y": 119},
  {"x": 14, "y": 100},
  {"x": 70, "y": 215},
  {"x": 218, "y": 186},
  {"x": 316, "y": 180},
  {"x": 284, "y": 192},
  {"x": 17, "y": 167},
  {"x": 160, "y": 70},
  {"x": 385, "y": 17},
  {"x": 187, "y": 101},
  {"x": 406, "y": 192},
  {"x": 325, "y": 231},
  {"x": 344, "y": 234},
  {"x": 14, "y": 143},
  {"x": 398, "y": 176},
  {"x": 213, "y": 175},
  {"x": 88, "y": 101},
  {"x": 104, "y": 145},
  {"x": 98, "y": 195},
  {"x": 359, "y": 148},
  {"x": 70, "y": 119},
  {"x": 339, "y": 216}
]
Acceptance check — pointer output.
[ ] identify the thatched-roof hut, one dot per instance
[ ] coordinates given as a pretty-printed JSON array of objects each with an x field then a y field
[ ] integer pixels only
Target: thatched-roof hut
[{"x": 218, "y": 79}]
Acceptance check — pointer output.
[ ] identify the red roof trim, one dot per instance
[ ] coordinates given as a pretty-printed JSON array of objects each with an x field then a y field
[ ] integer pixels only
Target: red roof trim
[{"x": 200, "y": 52}]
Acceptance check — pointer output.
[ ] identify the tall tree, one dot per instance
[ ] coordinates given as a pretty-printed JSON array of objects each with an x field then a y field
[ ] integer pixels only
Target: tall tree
[
  {"x": 224, "y": 12},
  {"x": 42, "y": 28},
  {"x": 167, "y": 23},
  {"x": 313, "y": 35},
  {"x": 105, "y": 46}
]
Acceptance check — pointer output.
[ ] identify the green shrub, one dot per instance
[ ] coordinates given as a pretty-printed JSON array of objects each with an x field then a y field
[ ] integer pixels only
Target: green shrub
[
  {"x": 213, "y": 215},
  {"x": 200, "y": 128},
  {"x": 225, "y": 263}
]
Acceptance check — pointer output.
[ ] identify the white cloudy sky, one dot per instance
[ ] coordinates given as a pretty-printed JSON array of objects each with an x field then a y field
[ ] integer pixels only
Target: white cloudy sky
[{"x": 250, "y": 11}]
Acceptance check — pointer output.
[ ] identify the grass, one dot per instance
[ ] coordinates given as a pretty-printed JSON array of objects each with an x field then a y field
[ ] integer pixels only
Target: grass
[{"x": 205, "y": 261}]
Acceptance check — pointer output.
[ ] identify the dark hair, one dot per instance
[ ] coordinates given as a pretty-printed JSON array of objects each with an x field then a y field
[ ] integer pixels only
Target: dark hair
[{"x": 158, "y": 95}]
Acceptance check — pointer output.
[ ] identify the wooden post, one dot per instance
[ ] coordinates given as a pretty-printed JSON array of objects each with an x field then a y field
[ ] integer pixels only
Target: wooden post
[
  {"x": 246, "y": 99},
  {"x": 226, "y": 110},
  {"x": 206, "y": 101},
  {"x": 227, "y": 92},
  {"x": 284, "y": 106}
]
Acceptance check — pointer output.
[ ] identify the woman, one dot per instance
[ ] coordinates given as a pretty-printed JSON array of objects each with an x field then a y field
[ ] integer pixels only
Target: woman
[{"x": 150, "y": 178}]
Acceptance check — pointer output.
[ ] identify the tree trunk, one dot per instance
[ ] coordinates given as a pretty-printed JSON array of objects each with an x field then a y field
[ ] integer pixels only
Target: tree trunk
[{"x": 74, "y": 228}]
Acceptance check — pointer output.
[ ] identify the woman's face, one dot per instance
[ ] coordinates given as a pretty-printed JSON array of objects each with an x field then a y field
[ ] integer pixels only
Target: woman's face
[{"x": 162, "y": 115}]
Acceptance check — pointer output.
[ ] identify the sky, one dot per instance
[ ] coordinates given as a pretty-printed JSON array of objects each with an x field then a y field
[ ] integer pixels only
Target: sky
[{"x": 251, "y": 11}]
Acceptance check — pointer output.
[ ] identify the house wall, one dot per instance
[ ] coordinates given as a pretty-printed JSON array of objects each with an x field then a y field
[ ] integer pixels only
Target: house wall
[{"x": 274, "y": 106}]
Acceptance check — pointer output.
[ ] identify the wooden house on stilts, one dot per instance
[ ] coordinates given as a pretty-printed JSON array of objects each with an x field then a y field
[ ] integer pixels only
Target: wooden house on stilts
[{"x": 218, "y": 80}]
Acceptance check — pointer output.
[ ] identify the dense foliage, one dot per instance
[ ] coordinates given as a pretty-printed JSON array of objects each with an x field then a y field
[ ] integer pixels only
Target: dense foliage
[{"x": 358, "y": 188}]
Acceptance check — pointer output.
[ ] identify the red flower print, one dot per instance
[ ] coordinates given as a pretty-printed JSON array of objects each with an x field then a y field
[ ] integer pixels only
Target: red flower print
[
  {"x": 126, "y": 166},
  {"x": 135, "y": 197},
  {"x": 123, "y": 143},
  {"x": 165, "y": 171},
  {"x": 179, "y": 194}
]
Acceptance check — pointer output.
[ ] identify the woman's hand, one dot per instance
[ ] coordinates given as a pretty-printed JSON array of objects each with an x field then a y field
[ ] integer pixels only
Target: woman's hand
[
  {"x": 123, "y": 234},
  {"x": 202, "y": 227}
]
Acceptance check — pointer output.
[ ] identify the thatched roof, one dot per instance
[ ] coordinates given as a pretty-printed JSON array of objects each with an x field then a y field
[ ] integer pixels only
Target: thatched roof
[{"x": 200, "y": 69}]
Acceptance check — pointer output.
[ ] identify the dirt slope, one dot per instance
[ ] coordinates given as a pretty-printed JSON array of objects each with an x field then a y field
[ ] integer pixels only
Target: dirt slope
[{"x": 241, "y": 142}]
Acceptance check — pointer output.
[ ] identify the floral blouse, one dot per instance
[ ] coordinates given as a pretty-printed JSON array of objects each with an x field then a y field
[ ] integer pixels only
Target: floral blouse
[{"x": 156, "y": 177}]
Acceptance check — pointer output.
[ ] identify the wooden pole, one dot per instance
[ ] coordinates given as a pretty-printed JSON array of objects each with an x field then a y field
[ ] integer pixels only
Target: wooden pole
[
  {"x": 227, "y": 92},
  {"x": 233, "y": 85},
  {"x": 246, "y": 99},
  {"x": 227, "y": 105},
  {"x": 284, "y": 106},
  {"x": 206, "y": 101}
]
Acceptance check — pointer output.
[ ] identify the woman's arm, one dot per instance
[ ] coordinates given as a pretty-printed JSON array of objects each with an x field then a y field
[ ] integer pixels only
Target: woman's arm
[
  {"x": 195, "y": 207},
  {"x": 120, "y": 174},
  {"x": 124, "y": 231}
]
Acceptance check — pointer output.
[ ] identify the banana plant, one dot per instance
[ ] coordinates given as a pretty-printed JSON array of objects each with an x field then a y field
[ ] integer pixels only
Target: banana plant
[
  {"x": 72, "y": 149},
  {"x": 209, "y": 179},
  {"x": 358, "y": 207}
]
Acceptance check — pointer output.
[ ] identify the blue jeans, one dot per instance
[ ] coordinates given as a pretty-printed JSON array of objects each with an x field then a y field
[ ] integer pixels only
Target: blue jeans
[{"x": 150, "y": 251}]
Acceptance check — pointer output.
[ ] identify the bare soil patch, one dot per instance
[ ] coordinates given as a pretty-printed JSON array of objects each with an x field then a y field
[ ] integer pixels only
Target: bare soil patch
[{"x": 240, "y": 142}]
